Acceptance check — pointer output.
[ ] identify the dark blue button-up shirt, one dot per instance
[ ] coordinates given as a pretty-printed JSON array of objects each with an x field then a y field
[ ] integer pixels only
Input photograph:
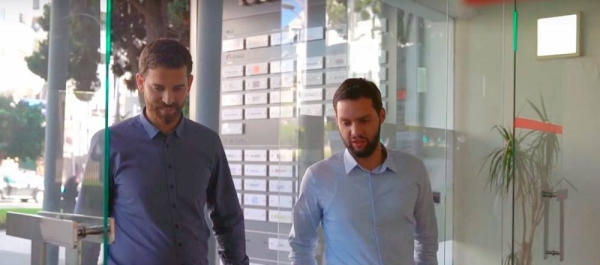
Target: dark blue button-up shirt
[{"x": 160, "y": 185}]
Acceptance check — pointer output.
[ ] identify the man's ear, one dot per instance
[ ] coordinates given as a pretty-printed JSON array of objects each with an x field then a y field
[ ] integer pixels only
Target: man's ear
[
  {"x": 190, "y": 82},
  {"x": 139, "y": 80},
  {"x": 382, "y": 115}
]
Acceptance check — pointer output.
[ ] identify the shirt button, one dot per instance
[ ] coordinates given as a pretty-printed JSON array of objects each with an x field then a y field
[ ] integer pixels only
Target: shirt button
[
  {"x": 180, "y": 245},
  {"x": 174, "y": 206},
  {"x": 172, "y": 186},
  {"x": 176, "y": 226},
  {"x": 170, "y": 166},
  {"x": 167, "y": 146}
]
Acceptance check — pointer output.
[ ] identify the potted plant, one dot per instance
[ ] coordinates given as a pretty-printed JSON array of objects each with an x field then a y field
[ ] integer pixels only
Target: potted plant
[{"x": 524, "y": 165}]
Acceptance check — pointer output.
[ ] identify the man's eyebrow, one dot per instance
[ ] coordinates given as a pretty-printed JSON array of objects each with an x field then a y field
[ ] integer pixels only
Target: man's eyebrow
[
  {"x": 359, "y": 118},
  {"x": 159, "y": 85}
]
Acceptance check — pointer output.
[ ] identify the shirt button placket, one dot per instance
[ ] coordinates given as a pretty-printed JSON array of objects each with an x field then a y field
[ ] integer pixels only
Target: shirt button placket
[{"x": 172, "y": 192}]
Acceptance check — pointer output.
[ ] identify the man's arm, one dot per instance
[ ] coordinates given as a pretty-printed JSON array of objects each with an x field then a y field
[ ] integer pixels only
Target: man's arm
[
  {"x": 426, "y": 233},
  {"x": 90, "y": 200},
  {"x": 307, "y": 216},
  {"x": 226, "y": 213}
]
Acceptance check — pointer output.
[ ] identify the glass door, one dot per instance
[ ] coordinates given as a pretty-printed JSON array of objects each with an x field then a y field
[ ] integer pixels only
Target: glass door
[{"x": 556, "y": 89}]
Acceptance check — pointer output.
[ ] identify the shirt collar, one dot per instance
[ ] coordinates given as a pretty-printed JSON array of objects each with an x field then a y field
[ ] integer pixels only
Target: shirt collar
[
  {"x": 350, "y": 163},
  {"x": 153, "y": 131}
]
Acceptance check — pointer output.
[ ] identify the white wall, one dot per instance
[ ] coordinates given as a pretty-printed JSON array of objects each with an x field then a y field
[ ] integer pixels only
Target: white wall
[{"x": 571, "y": 88}]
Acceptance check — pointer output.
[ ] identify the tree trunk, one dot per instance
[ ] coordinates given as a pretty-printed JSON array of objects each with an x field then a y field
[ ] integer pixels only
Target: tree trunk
[{"x": 156, "y": 23}]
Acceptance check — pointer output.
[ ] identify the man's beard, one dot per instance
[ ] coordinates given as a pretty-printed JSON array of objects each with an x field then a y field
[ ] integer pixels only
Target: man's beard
[
  {"x": 168, "y": 118},
  {"x": 368, "y": 150}
]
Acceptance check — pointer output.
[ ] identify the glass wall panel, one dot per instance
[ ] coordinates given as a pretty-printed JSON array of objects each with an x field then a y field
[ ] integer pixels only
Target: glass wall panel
[
  {"x": 484, "y": 65},
  {"x": 283, "y": 61},
  {"x": 54, "y": 108},
  {"x": 557, "y": 82}
]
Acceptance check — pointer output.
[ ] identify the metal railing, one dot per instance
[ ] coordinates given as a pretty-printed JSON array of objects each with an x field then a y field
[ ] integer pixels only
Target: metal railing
[{"x": 59, "y": 229}]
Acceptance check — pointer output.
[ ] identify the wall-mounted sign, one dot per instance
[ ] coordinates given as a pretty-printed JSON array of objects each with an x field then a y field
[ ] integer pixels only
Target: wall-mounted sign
[
  {"x": 233, "y": 45},
  {"x": 232, "y": 114},
  {"x": 255, "y": 214},
  {"x": 256, "y": 113},
  {"x": 257, "y": 41},
  {"x": 233, "y": 71},
  {"x": 257, "y": 69},
  {"x": 232, "y": 85},
  {"x": 280, "y": 201},
  {"x": 313, "y": 63},
  {"x": 313, "y": 94},
  {"x": 257, "y": 83},
  {"x": 282, "y": 96},
  {"x": 338, "y": 60},
  {"x": 257, "y": 98}
]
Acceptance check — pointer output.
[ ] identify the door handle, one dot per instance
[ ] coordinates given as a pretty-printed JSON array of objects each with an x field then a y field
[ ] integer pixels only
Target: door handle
[{"x": 560, "y": 196}]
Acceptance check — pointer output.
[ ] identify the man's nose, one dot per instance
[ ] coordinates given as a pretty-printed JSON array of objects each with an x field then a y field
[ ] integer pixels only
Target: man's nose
[
  {"x": 168, "y": 97},
  {"x": 355, "y": 129}
]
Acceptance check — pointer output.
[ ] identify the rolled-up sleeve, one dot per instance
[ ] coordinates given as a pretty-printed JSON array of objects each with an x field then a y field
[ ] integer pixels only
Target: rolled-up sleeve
[
  {"x": 307, "y": 216},
  {"x": 225, "y": 212},
  {"x": 426, "y": 232}
]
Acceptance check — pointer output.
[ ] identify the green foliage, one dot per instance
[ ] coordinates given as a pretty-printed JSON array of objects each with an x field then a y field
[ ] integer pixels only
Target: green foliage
[
  {"x": 524, "y": 166},
  {"x": 16, "y": 210},
  {"x": 84, "y": 41},
  {"x": 21, "y": 130},
  {"x": 338, "y": 10},
  {"x": 140, "y": 22}
]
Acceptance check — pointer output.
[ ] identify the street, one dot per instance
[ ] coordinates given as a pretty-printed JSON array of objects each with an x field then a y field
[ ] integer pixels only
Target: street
[
  {"x": 16, "y": 251},
  {"x": 11, "y": 204}
]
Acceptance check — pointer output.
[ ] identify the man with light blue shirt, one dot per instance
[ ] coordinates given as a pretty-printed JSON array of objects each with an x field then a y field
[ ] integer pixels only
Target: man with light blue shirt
[{"x": 373, "y": 203}]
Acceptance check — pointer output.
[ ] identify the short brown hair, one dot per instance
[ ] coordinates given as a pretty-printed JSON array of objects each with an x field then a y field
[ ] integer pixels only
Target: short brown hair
[
  {"x": 166, "y": 53},
  {"x": 355, "y": 88}
]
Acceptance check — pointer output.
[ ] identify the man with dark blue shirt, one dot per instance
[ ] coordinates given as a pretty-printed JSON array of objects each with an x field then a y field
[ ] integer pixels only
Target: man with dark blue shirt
[{"x": 164, "y": 169}]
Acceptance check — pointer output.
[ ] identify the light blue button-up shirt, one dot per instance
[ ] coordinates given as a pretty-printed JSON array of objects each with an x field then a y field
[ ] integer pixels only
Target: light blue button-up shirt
[{"x": 368, "y": 217}]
